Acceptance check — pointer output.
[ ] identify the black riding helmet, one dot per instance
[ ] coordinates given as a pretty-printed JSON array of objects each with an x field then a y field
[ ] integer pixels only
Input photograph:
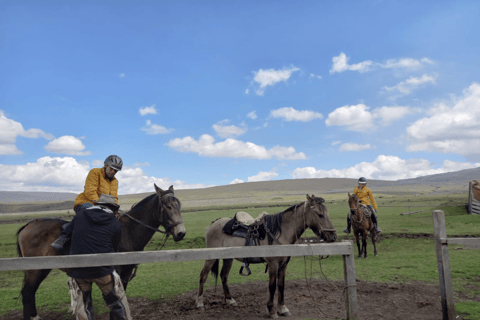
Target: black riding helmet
[
  {"x": 114, "y": 162},
  {"x": 362, "y": 180}
]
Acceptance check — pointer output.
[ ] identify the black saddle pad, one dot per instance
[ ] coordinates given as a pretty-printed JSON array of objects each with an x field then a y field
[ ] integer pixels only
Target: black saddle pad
[{"x": 237, "y": 229}]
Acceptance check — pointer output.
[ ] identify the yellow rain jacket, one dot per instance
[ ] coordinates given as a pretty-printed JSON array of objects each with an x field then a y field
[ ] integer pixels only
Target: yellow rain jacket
[
  {"x": 96, "y": 185},
  {"x": 365, "y": 195}
]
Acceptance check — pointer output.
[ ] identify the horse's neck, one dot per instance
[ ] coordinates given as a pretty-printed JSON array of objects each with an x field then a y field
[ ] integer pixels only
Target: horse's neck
[
  {"x": 294, "y": 224},
  {"x": 136, "y": 236}
]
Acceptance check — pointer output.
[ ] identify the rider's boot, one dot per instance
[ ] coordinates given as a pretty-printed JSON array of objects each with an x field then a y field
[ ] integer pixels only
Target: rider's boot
[
  {"x": 349, "y": 225},
  {"x": 377, "y": 229},
  {"x": 64, "y": 237}
]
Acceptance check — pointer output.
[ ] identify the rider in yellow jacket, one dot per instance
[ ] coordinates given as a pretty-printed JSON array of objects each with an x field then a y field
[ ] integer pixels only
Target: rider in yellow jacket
[
  {"x": 99, "y": 181},
  {"x": 365, "y": 196}
]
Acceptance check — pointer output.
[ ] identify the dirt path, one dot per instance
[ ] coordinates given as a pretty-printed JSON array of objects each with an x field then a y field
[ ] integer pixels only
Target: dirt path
[{"x": 375, "y": 301}]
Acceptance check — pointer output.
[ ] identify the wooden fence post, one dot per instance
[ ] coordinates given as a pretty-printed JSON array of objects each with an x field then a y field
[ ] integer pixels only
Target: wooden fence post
[
  {"x": 350, "y": 284},
  {"x": 443, "y": 263}
]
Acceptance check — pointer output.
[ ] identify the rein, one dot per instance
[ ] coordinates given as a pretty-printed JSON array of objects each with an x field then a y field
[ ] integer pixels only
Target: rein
[{"x": 361, "y": 211}]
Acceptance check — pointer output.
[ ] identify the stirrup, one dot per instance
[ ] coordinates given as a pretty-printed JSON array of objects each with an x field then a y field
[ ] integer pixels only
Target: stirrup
[{"x": 59, "y": 243}]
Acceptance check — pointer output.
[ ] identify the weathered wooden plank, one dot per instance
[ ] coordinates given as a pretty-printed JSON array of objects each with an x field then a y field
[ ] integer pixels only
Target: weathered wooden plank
[
  {"x": 443, "y": 264},
  {"x": 350, "y": 283},
  {"x": 470, "y": 243},
  {"x": 106, "y": 259},
  {"x": 407, "y": 213}
]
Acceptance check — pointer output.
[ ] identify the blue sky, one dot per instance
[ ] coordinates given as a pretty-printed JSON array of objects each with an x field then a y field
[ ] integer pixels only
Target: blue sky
[{"x": 203, "y": 93}]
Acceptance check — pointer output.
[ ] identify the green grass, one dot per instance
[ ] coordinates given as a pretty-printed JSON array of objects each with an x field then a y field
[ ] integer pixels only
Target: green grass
[{"x": 401, "y": 260}]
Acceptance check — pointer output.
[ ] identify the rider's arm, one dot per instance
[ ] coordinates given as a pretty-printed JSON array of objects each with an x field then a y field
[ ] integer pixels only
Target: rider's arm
[
  {"x": 91, "y": 185},
  {"x": 114, "y": 190},
  {"x": 374, "y": 204}
]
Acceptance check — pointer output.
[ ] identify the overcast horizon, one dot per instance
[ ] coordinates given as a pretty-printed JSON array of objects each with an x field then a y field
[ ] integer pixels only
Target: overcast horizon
[{"x": 200, "y": 94}]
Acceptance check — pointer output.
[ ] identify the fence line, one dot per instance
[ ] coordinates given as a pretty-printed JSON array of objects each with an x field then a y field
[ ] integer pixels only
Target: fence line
[
  {"x": 443, "y": 261},
  {"x": 344, "y": 248}
]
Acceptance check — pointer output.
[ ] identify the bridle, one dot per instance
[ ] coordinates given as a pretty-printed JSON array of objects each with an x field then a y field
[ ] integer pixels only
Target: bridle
[
  {"x": 358, "y": 210},
  {"x": 166, "y": 225},
  {"x": 321, "y": 228}
]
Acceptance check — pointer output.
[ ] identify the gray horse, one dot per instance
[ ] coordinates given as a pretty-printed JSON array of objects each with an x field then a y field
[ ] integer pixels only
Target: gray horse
[{"x": 295, "y": 220}]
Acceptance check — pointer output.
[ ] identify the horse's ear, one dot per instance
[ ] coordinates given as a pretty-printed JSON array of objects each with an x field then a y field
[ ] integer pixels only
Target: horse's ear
[
  {"x": 171, "y": 188},
  {"x": 310, "y": 199},
  {"x": 349, "y": 194},
  {"x": 158, "y": 190}
]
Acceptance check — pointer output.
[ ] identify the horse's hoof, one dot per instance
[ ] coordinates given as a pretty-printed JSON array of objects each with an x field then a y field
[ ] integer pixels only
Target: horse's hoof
[
  {"x": 376, "y": 254},
  {"x": 199, "y": 305},
  {"x": 232, "y": 302},
  {"x": 274, "y": 316},
  {"x": 284, "y": 312}
]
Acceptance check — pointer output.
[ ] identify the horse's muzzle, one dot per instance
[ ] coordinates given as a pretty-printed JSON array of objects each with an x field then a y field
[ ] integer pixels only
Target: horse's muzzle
[{"x": 179, "y": 232}]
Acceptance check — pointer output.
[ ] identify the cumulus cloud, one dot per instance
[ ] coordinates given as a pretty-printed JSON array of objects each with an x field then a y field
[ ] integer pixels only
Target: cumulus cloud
[
  {"x": 11, "y": 129},
  {"x": 252, "y": 115},
  {"x": 350, "y": 146},
  {"x": 450, "y": 129},
  {"x": 67, "y": 145},
  {"x": 290, "y": 114},
  {"x": 263, "y": 176},
  {"x": 271, "y": 77},
  {"x": 152, "y": 128},
  {"x": 334, "y": 143},
  {"x": 385, "y": 168},
  {"x": 359, "y": 118},
  {"x": 148, "y": 110},
  {"x": 231, "y": 148},
  {"x": 412, "y": 83},
  {"x": 340, "y": 64},
  {"x": 134, "y": 180},
  {"x": 355, "y": 118},
  {"x": 225, "y": 131},
  {"x": 237, "y": 181}
]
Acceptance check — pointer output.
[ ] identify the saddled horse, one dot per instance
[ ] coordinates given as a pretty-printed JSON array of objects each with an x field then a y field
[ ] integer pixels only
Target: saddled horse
[
  {"x": 138, "y": 227},
  {"x": 361, "y": 224},
  {"x": 292, "y": 223}
]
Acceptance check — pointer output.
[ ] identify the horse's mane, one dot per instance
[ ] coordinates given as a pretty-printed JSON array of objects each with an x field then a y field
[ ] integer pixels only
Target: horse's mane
[{"x": 139, "y": 205}]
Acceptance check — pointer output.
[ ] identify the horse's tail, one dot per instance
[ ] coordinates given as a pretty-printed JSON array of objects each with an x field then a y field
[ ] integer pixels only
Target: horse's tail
[
  {"x": 215, "y": 269},
  {"x": 19, "y": 250}
]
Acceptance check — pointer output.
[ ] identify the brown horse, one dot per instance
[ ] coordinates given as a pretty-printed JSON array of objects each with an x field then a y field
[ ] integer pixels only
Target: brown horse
[
  {"x": 361, "y": 224},
  {"x": 291, "y": 224},
  {"x": 138, "y": 227}
]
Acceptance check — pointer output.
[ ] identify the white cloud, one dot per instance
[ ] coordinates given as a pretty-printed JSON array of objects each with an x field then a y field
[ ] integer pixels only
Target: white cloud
[
  {"x": 340, "y": 64},
  {"x": 355, "y": 118},
  {"x": 334, "y": 143},
  {"x": 144, "y": 164},
  {"x": 148, "y": 110},
  {"x": 290, "y": 114},
  {"x": 67, "y": 145},
  {"x": 315, "y": 76},
  {"x": 390, "y": 114},
  {"x": 270, "y": 77},
  {"x": 11, "y": 129},
  {"x": 152, "y": 128},
  {"x": 232, "y": 148},
  {"x": 412, "y": 83},
  {"x": 247, "y": 91},
  {"x": 47, "y": 174},
  {"x": 122, "y": 75},
  {"x": 8, "y": 149},
  {"x": 350, "y": 146},
  {"x": 134, "y": 180},
  {"x": 236, "y": 181},
  {"x": 385, "y": 168},
  {"x": 252, "y": 115},
  {"x": 450, "y": 129},
  {"x": 263, "y": 176},
  {"x": 225, "y": 131},
  {"x": 98, "y": 163}
]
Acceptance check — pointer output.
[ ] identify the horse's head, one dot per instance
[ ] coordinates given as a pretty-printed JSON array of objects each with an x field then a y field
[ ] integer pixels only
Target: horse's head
[
  {"x": 318, "y": 220},
  {"x": 354, "y": 204},
  {"x": 170, "y": 216}
]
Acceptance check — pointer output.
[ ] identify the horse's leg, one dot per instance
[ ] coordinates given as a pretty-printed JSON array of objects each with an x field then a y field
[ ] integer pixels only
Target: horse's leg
[
  {"x": 227, "y": 265},
  {"x": 374, "y": 238},
  {"x": 31, "y": 282},
  {"x": 358, "y": 245},
  {"x": 272, "y": 286},
  {"x": 364, "y": 243},
  {"x": 203, "y": 277},
  {"x": 283, "y": 310}
]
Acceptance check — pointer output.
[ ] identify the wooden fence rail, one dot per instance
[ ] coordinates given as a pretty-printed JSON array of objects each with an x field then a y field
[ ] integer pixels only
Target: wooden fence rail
[
  {"x": 344, "y": 248},
  {"x": 443, "y": 261}
]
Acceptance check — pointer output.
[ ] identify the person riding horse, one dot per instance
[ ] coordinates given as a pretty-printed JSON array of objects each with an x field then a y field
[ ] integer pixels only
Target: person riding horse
[
  {"x": 99, "y": 181},
  {"x": 97, "y": 230},
  {"x": 365, "y": 195}
]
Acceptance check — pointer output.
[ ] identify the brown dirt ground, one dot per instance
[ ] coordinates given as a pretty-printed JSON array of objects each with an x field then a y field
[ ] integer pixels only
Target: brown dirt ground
[{"x": 375, "y": 301}]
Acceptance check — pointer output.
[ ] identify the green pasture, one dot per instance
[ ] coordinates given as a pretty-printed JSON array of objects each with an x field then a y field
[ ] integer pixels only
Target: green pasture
[{"x": 406, "y": 253}]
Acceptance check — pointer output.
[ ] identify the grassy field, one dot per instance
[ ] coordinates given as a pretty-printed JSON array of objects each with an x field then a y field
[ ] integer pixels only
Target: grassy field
[{"x": 402, "y": 257}]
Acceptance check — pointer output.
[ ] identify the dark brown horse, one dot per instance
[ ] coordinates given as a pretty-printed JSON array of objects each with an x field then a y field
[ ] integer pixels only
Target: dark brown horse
[
  {"x": 361, "y": 224},
  {"x": 292, "y": 223},
  {"x": 138, "y": 227}
]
